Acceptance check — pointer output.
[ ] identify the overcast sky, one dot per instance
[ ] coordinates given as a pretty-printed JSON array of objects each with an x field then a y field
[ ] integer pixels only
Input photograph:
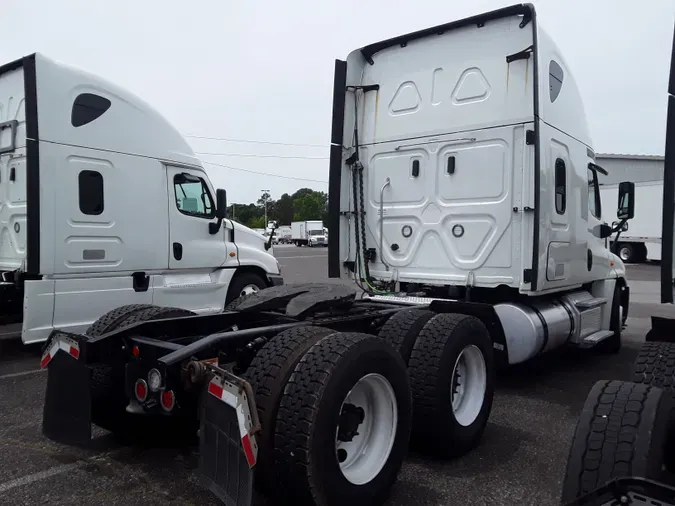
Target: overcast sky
[{"x": 263, "y": 70}]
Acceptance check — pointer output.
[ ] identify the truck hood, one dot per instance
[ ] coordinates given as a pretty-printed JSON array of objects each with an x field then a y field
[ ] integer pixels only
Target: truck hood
[
  {"x": 249, "y": 236},
  {"x": 251, "y": 249}
]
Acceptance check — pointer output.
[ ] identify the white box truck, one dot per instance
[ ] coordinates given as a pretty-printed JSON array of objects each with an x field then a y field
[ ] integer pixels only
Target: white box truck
[
  {"x": 308, "y": 233},
  {"x": 639, "y": 239},
  {"x": 285, "y": 234},
  {"x": 103, "y": 203}
]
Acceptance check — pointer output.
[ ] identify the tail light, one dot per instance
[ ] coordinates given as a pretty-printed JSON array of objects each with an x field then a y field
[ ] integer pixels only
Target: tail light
[
  {"x": 154, "y": 380},
  {"x": 167, "y": 400},
  {"x": 141, "y": 390}
]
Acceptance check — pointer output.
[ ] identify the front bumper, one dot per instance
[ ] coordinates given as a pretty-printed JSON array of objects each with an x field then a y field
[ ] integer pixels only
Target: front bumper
[{"x": 276, "y": 280}]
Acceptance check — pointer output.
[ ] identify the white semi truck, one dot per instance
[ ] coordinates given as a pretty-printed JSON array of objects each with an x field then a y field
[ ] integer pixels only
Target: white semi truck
[
  {"x": 308, "y": 233},
  {"x": 102, "y": 202},
  {"x": 464, "y": 201},
  {"x": 639, "y": 239}
]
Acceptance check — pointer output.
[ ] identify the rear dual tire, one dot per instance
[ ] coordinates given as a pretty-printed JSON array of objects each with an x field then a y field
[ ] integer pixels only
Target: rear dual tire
[
  {"x": 304, "y": 379},
  {"x": 344, "y": 423},
  {"x": 451, "y": 368},
  {"x": 451, "y": 372}
]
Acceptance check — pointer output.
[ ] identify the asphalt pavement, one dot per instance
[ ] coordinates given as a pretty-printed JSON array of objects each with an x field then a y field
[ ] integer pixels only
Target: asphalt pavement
[{"x": 520, "y": 460}]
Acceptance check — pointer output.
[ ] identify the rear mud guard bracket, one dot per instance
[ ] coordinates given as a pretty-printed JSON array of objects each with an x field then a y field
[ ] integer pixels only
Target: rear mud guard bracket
[
  {"x": 227, "y": 446},
  {"x": 67, "y": 409}
]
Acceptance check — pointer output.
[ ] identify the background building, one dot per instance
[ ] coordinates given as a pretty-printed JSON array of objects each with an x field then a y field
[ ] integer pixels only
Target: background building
[{"x": 635, "y": 168}]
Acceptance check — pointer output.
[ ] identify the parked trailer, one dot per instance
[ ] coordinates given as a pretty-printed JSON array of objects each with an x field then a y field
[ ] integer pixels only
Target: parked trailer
[
  {"x": 622, "y": 451},
  {"x": 640, "y": 239},
  {"x": 312, "y": 395}
]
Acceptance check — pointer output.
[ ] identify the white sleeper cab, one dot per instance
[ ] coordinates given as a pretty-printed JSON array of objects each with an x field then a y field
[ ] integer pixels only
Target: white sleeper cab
[
  {"x": 462, "y": 168},
  {"x": 103, "y": 204}
]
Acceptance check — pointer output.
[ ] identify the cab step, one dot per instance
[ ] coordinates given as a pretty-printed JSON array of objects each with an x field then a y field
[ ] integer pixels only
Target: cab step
[
  {"x": 596, "y": 337},
  {"x": 591, "y": 303}
]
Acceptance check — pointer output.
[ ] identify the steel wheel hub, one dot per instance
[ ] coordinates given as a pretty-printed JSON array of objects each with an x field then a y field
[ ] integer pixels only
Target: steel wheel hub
[
  {"x": 366, "y": 430},
  {"x": 469, "y": 384}
]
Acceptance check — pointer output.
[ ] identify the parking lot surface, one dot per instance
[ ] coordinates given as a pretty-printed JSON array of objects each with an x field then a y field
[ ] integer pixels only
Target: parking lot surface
[{"x": 519, "y": 462}]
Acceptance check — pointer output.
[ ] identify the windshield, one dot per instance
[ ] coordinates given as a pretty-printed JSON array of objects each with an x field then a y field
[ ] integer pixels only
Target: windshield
[{"x": 316, "y": 232}]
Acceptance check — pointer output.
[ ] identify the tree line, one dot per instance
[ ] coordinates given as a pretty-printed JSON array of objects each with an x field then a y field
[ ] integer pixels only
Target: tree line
[{"x": 304, "y": 204}]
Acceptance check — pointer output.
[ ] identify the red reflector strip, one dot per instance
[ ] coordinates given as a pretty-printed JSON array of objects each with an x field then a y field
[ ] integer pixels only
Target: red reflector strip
[
  {"x": 248, "y": 450},
  {"x": 74, "y": 352},
  {"x": 216, "y": 389},
  {"x": 67, "y": 345},
  {"x": 45, "y": 360},
  {"x": 237, "y": 401}
]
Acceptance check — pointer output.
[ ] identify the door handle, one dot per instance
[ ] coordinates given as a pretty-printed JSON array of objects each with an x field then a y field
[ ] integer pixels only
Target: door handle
[
  {"x": 141, "y": 281},
  {"x": 177, "y": 250},
  {"x": 450, "y": 169}
]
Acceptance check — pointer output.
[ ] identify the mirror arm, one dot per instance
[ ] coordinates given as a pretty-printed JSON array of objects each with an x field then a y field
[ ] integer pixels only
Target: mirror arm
[
  {"x": 619, "y": 226},
  {"x": 215, "y": 227},
  {"x": 268, "y": 244},
  {"x": 618, "y": 230}
]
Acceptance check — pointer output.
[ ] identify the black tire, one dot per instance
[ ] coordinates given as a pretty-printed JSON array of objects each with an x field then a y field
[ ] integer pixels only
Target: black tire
[
  {"x": 612, "y": 344},
  {"x": 626, "y": 252},
  {"x": 108, "y": 394},
  {"x": 268, "y": 374},
  {"x": 111, "y": 319},
  {"x": 623, "y": 431},
  {"x": 305, "y": 453},
  {"x": 240, "y": 281},
  {"x": 232, "y": 306},
  {"x": 655, "y": 366},
  {"x": 436, "y": 428},
  {"x": 402, "y": 329}
]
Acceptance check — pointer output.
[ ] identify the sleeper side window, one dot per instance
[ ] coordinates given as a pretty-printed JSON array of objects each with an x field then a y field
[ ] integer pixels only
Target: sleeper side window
[
  {"x": 90, "y": 192},
  {"x": 560, "y": 186},
  {"x": 87, "y": 107},
  {"x": 555, "y": 80},
  {"x": 193, "y": 196}
]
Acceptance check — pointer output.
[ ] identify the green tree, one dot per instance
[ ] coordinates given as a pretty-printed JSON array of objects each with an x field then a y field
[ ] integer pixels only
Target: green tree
[
  {"x": 258, "y": 222},
  {"x": 283, "y": 209},
  {"x": 310, "y": 206}
]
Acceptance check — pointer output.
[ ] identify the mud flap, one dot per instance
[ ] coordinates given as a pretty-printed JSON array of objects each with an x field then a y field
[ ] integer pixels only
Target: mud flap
[
  {"x": 663, "y": 330},
  {"x": 66, "y": 417},
  {"x": 227, "y": 447}
]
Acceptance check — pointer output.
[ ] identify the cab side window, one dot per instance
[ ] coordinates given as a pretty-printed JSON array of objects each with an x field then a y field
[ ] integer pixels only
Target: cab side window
[
  {"x": 192, "y": 196},
  {"x": 594, "y": 194}
]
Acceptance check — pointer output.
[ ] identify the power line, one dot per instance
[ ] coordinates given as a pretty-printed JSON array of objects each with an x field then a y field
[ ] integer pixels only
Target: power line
[
  {"x": 254, "y": 141},
  {"x": 255, "y": 155},
  {"x": 265, "y": 173}
]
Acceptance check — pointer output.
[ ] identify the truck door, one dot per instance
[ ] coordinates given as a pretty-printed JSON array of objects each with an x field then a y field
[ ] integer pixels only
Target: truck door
[
  {"x": 597, "y": 265},
  {"x": 191, "y": 209}
]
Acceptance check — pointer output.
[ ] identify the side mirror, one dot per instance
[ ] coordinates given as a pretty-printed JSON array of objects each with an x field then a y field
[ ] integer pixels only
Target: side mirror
[
  {"x": 221, "y": 211},
  {"x": 221, "y": 204},
  {"x": 626, "y": 205}
]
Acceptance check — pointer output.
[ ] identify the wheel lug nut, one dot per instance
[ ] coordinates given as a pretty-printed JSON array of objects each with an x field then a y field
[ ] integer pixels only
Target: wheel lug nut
[{"x": 341, "y": 455}]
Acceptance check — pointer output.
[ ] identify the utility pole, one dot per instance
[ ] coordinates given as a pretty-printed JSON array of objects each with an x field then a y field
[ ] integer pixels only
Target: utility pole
[{"x": 265, "y": 195}]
